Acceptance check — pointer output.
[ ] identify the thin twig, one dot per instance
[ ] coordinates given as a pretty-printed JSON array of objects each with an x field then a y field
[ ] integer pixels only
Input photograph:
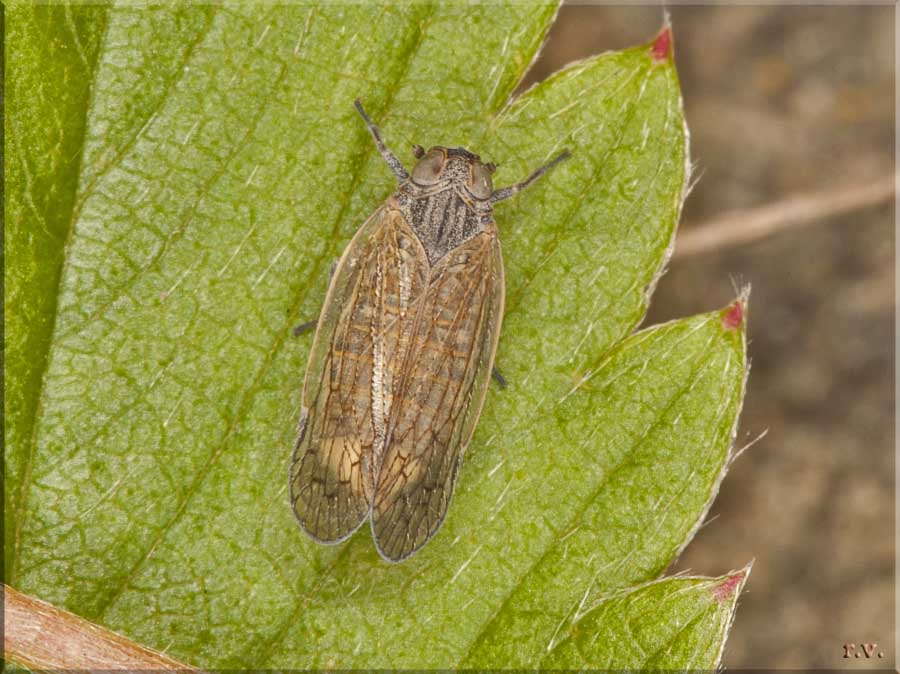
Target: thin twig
[
  {"x": 749, "y": 225},
  {"x": 42, "y": 637}
]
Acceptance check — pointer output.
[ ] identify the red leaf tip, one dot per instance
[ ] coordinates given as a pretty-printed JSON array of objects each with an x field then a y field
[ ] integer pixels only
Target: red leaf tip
[
  {"x": 661, "y": 48},
  {"x": 733, "y": 316},
  {"x": 726, "y": 589}
]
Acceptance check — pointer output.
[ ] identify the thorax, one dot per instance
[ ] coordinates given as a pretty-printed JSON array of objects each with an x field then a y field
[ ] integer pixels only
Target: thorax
[{"x": 442, "y": 219}]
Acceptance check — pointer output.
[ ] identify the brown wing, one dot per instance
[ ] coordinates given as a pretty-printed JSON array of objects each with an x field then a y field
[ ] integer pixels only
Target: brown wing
[
  {"x": 362, "y": 330},
  {"x": 445, "y": 378}
]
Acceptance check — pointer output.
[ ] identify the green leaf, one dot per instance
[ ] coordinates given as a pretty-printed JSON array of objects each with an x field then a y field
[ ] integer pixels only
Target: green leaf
[
  {"x": 647, "y": 432},
  {"x": 626, "y": 630},
  {"x": 51, "y": 54},
  {"x": 223, "y": 170}
]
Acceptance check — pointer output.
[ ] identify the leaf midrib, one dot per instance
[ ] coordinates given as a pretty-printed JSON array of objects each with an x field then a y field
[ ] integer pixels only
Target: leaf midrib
[{"x": 25, "y": 487}]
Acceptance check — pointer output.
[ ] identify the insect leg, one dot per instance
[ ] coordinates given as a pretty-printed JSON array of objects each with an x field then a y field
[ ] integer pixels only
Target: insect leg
[
  {"x": 305, "y": 327},
  {"x": 507, "y": 192},
  {"x": 389, "y": 156},
  {"x": 499, "y": 378}
]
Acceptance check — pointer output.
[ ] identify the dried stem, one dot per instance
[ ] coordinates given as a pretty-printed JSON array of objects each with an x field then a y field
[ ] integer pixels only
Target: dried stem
[
  {"x": 42, "y": 637},
  {"x": 756, "y": 223}
]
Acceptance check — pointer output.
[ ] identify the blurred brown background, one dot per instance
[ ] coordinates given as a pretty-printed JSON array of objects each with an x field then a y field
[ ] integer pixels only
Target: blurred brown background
[{"x": 780, "y": 102}]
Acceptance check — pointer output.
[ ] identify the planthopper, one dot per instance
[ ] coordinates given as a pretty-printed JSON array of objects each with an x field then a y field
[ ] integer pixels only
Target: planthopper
[{"x": 403, "y": 354}]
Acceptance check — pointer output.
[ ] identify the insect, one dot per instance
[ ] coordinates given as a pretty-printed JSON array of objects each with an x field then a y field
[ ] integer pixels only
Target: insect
[{"x": 403, "y": 354}]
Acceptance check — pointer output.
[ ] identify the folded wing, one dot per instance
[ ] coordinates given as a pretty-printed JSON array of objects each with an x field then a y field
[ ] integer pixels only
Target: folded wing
[
  {"x": 358, "y": 350},
  {"x": 445, "y": 375}
]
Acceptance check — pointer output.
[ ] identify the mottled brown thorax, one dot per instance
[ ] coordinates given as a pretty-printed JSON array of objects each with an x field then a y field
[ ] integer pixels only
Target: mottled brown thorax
[{"x": 442, "y": 220}]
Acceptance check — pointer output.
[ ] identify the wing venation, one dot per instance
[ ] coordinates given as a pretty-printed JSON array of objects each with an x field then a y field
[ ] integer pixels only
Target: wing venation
[
  {"x": 445, "y": 375},
  {"x": 360, "y": 339}
]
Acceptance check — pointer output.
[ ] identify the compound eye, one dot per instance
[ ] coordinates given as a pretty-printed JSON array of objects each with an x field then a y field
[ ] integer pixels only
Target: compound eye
[
  {"x": 428, "y": 169},
  {"x": 480, "y": 184}
]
